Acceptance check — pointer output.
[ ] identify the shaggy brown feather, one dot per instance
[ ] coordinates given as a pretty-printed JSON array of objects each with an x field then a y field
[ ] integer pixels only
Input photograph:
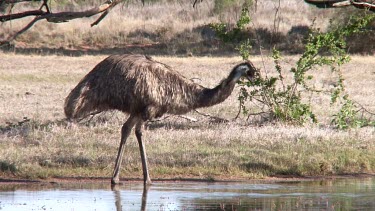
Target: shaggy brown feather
[{"x": 138, "y": 84}]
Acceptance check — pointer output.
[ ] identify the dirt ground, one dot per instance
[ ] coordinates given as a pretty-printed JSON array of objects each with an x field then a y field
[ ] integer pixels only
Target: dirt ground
[{"x": 104, "y": 180}]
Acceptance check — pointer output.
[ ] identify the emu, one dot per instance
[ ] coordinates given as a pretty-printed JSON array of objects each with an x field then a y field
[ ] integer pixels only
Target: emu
[{"x": 145, "y": 89}]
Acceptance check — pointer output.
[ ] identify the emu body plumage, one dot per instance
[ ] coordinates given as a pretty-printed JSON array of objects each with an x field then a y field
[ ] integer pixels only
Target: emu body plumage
[{"x": 145, "y": 89}]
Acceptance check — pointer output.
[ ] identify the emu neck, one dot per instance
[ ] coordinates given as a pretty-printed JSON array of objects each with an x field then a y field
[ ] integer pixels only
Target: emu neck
[{"x": 221, "y": 92}]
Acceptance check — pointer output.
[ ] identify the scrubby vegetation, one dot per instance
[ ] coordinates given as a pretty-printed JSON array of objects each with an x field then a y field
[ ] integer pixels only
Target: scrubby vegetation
[{"x": 281, "y": 100}]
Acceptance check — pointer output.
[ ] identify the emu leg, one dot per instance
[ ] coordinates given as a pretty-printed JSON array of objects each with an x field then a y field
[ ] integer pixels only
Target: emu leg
[
  {"x": 138, "y": 134},
  {"x": 125, "y": 131}
]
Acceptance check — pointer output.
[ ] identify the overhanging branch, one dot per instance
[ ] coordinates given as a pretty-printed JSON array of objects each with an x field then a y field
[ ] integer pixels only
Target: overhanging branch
[
  {"x": 58, "y": 17},
  {"x": 9, "y": 17},
  {"x": 195, "y": 2},
  {"x": 67, "y": 16},
  {"x": 16, "y": 1},
  {"x": 28, "y": 26},
  {"x": 363, "y": 4}
]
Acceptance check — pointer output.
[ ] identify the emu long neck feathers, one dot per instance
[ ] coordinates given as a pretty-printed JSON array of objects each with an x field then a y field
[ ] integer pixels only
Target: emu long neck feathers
[{"x": 221, "y": 92}]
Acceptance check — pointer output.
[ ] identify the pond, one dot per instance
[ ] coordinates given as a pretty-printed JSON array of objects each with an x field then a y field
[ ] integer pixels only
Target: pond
[{"x": 337, "y": 194}]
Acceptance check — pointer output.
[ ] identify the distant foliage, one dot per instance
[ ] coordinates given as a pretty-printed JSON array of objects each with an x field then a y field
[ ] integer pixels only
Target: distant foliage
[
  {"x": 234, "y": 35},
  {"x": 229, "y": 11},
  {"x": 6, "y": 166},
  {"x": 222, "y": 6}
]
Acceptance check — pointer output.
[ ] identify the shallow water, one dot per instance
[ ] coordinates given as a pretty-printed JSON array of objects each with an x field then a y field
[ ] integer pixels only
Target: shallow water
[{"x": 340, "y": 194}]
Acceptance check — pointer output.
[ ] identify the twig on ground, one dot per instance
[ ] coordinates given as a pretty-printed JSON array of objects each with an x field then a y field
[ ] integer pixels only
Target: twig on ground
[
  {"x": 91, "y": 116},
  {"x": 256, "y": 114},
  {"x": 216, "y": 119},
  {"x": 191, "y": 119}
]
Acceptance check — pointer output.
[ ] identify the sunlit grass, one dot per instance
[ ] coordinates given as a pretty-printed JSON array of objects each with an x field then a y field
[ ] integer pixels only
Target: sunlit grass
[
  {"x": 174, "y": 23},
  {"x": 36, "y": 141}
]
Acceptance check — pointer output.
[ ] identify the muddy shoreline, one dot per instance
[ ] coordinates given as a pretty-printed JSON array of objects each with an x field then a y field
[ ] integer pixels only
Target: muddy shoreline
[{"x": 278, "y": 179}]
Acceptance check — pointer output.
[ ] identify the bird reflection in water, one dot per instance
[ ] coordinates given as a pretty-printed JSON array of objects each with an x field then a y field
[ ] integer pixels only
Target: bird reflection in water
[{"x": 117, "y": 193}]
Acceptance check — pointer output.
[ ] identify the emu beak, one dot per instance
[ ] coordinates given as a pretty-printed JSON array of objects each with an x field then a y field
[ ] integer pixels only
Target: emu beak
[
  {"x": 251, "y": 79},
  {"x": 249, "y": 76}
]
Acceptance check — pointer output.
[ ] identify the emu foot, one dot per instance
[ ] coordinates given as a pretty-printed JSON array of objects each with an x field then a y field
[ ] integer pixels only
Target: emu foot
[
  {"x": 147, "y": 182},
  {"x": 115, "y": 181}
]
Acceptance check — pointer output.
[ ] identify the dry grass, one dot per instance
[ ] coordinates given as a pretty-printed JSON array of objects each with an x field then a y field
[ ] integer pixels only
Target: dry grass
[
  {"x": 43, "y": 146},
  {"x": 176, "y": 24}
]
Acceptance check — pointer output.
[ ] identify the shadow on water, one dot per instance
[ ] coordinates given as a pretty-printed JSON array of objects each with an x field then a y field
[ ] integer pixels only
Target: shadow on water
[{"x": 338, "y": 194}]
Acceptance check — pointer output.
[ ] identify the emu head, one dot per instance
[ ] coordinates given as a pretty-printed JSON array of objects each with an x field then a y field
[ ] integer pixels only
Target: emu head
[{"x": 245, "y": 69}]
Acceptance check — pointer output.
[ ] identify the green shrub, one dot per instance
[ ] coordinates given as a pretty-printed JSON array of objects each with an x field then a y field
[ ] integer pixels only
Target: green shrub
[
  {"x": 222, "y": 6},
  {"x": 282, "y": 100},
  {"x": 6, "y": 166}
]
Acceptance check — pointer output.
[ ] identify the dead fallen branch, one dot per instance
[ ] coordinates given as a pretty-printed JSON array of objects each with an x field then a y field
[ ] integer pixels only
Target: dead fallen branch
[{"x": 213, "y": 118}]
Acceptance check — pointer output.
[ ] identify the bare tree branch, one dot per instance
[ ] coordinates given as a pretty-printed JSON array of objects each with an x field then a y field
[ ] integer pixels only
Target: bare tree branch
[
  {"x": 9, "y": 17},
  {"x": 342, "y": 4},
  {"x": 16, "y": 1},
  {"x": 55, "y": 17},
  {"x": 102, "y": 16},
  {"x": 45, "y": 4},
  {"x": 195, "y": 2},
  {"x": 362, "y": 4},
  {"x": 67, "y": 16}
]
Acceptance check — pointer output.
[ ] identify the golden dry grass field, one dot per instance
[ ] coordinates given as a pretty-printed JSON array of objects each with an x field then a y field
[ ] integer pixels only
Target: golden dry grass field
[
  {"x": 174, "y": 25},
  {"x": 37, "y": 143}
]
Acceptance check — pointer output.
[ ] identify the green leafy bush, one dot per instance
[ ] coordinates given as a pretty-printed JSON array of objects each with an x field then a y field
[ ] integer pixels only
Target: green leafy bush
[
  {"x": 222, "y": 6},
  {"x": 351, "y": 115},
  {"x": 234, "y": 35},
  {"x": 282, "y": 100},
  {"x": 6, "y": 166}
]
